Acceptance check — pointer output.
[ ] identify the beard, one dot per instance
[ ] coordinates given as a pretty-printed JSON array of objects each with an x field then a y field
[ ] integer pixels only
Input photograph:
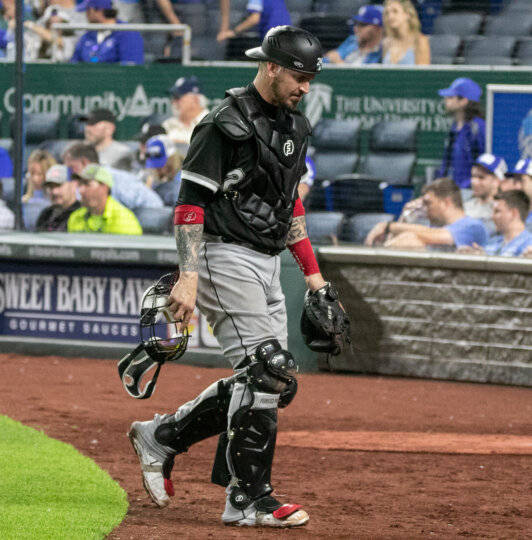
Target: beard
[{"x": 281, "y": 102}]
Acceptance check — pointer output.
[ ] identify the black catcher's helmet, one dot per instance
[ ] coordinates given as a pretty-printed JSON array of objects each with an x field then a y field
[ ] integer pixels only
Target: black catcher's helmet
[
  {"x": 160, "y": 340},
  {"x": 290, "y": 47}
]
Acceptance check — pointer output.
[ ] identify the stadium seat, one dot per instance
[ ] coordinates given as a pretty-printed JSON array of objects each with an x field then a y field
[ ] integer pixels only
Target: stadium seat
[
  {"x": 8, "y": 189},
  {"x": 392, "y": 151},
  {"x": 353, "y": 194},
  {"x": 31, "y": 211},
  {"x": 39, "y": 127},
  {"x": 154, "y": 44},
  {"x": 517, "y": 5},
  {"x": 324, "y": 227},
  {"x": 239, "y": 5},
  {"x": 339, "y": 7},
  {"x": 7, "y": 144},
  {"x": 523, "y": 55},
  {"x": 236, "y": 46},
  {"x": 444, "y": 48},
  {"x": 56, "y": 147},
  {"x": 489, "y": 61},
  {"x": 331, "y": 30},
  {"x": 357, "y": 227},
  {"x": 498, "y": 47},
  {"x": 336, "y": 147},
  {"x": 317, "y": 198},
  {"x": 155, "y": 220},
  {"x": 510, "y": 24},
  {"x": 461, "y": 24},
  {"x": 76, "y": 127},
  {"x": 302, "y": 6}
]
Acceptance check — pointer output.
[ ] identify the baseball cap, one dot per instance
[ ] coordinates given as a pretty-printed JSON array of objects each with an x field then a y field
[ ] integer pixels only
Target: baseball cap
[
  {"x": 94, "y": 4},
  {"x": 523, "y": 166},
  {"x": 494, "y": 164},
  {"x": 99, "y": 115},
  {"x": 147, "y": 131},
  {"x": 370, "y": 14},
  {"x": 57, "y": 174},
  {"x": 52, "y": 11},
  {"x": 185, "y": 85},
  {"x": 462, "y": 87},
  {"x": 93, "y": 171},
  {"x": 158, "y": 150}
]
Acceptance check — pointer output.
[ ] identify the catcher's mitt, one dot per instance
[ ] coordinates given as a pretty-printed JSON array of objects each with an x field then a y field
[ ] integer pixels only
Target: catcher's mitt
[{"x": 324, "y": 322}]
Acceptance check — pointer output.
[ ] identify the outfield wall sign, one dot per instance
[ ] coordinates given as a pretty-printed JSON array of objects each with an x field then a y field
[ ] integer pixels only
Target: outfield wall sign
[{"x": 81, "y": 303}]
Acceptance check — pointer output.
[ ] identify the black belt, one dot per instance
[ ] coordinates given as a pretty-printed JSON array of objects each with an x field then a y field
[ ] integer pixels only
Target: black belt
[{"x": 225, "y": 240}]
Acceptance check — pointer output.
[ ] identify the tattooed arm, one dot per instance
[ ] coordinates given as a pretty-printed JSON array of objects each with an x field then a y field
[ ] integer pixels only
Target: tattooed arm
[
  {"x": 298, "y": 230},
  {"x": 182, "y": 300}
]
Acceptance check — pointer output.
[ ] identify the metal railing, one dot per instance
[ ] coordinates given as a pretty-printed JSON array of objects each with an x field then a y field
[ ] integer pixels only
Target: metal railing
[{"x": 179, "y": 29}]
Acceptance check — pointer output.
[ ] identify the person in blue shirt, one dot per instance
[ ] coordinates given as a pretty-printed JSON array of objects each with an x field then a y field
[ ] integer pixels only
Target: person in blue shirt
[
  {"x": 521, "y": 178},
  {"x": 364, "y": 46},
  {"x": 107, "y": 46},
  {"x": 264, "y": 13},
  {"x": 450, "y": 227},
  {"x": 509, "y": 214},
  {"x": 465, "y": 141},
  {"x": 6, "y": 165},
  {"x": 165, "y": 164}
]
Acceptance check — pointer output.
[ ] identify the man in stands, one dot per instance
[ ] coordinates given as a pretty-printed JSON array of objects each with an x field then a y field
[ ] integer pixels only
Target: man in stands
[
  {"x": 62, "y": 193},
  {"x": 99, "y": 212},
  {"x": 509, "y": 214},
  {"x": 189, "y": 106},
  {"x": 450, "y": 227},
  {"x": 487, "y": 174},
  {"x": 521, "y": 178},
  {"x": 99, "y": 129},
  {"x": 126, "y": 188},
  {"x": 364, "y": 46},
  {"x": 107, "y": 46}
]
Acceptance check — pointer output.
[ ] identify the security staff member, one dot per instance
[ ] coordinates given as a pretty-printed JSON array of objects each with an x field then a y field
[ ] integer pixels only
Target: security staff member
[{"x": 238, "y": 209}]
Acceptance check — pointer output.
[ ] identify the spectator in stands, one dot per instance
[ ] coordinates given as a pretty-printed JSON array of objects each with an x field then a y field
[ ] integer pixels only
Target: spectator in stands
[
  {"x": 99, "y": 212},
  {"x": 6, "y": 165},
  {"x": 7, "y": 30},
  {"x": 509, "y": 214},
  {"x": 364, "y": 46},
  {"x": 107, "y": 46},
  {"x": 307, "y": 180},
  {"x": 164, "y": 164},
  {"x": 147, "y": 131},
  {"x": 522, "y": 172},
  {"x": 38, "y": 164},
  {"x": 126, "y": 188},
  {"x": 100, "y": 127},
  {"x": 60, "y": 46},
  {"x": 404, "y": 43},
  {"x": 189, "y": 106},
  {"x": 264, "y": 13},
  {"x": 450, "y": 229},
  {"x": 466, "y": 139},
  {"x": 7, "y": 217},
  {"x": 486, "y": 175},
  {"x": 62, "y": 193}
]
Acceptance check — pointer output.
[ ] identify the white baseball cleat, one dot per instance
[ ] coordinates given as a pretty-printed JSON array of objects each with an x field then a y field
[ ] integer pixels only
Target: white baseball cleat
[
  {"x": 152, "y": 463},
  {"x": 265, "y": 512}
]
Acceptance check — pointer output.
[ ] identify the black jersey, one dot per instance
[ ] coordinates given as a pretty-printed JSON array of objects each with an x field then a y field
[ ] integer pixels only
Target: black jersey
[{"x": 251, "y": 156}]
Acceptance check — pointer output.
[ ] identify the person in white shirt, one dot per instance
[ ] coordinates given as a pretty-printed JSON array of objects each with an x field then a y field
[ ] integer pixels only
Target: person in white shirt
[
  {"x": 189, "y": 106},
  {"x": 7, "y": 217}
]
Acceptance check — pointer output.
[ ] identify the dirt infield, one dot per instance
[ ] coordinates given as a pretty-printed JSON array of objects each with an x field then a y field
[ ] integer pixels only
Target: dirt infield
[{"x": 369, "y": 457}]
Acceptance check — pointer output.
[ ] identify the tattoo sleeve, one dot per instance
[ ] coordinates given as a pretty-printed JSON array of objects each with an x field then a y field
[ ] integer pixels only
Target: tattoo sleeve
[
  {"x": 188, "y": 239},
  {"x": 298, "y": 230}
]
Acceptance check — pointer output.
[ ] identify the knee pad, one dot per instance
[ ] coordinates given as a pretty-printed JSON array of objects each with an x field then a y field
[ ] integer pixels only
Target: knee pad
[{"x": 273, "y": 368}]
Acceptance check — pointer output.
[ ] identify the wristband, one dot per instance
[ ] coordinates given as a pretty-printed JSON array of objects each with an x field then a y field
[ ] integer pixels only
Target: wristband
[
  {"x": 304, "y": 255},
  {"x": 188, "y": 214},
  {"x": 299, "y": 209}
]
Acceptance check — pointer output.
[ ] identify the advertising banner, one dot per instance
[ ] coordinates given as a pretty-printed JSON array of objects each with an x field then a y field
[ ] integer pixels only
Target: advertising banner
[
  {"x": 76, "y": 302},
  {"x": 509, "y": 121}
]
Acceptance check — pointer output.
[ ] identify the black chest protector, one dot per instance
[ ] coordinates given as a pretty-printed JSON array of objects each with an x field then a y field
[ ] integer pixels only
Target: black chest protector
[{"x": 263, "y": 196}]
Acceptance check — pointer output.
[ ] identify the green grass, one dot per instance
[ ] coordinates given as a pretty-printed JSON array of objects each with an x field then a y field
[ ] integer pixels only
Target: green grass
[{"x": 49, "y": 490}]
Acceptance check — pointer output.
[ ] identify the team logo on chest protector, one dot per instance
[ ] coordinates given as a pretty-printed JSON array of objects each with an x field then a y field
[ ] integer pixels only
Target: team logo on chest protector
[{"x": 288, "y": 147}]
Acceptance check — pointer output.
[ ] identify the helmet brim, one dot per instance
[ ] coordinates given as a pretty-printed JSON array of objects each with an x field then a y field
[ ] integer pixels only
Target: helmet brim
[{"x": 256, "y": 53}]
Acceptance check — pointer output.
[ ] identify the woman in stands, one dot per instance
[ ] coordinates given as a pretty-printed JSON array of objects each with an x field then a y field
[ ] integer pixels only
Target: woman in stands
[
  {"x": 404, "y": 44},
  {"x": 38, "y": 163}
]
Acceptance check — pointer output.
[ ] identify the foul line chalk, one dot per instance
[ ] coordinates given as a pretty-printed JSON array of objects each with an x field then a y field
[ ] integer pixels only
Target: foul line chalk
[{"x": 408, "y": 441}]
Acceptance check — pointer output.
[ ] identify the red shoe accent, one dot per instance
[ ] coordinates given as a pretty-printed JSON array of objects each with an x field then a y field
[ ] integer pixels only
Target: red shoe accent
[
  {"x": 286, "y": 510},
  {"x": 169, "y": 487}
]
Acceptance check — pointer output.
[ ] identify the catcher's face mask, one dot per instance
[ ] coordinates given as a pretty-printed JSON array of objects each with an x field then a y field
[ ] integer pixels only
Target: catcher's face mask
[{"x": 160, "y": 340}]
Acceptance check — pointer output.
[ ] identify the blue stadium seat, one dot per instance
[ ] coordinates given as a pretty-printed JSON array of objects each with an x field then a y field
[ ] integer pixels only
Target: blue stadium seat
[
  {"x": 331, "y": 30},
  {"x": 518, "y": 5},
  {"x": 336, "y": 147},
  {"x": 523, "y": 55},
  {"x": 324, "y": 227},
  {"x": 498, "y": 47},
  {"x": 235, "y": 47},
  {"x": 509, "y": 24},
  {"x": 348, "y": 8},
  {"x": 8, "y": 189},
  {"x": 357, "y": 227},
  {"x": 461, "y": 24},
  {"x": 302, "y": 6},
  {"x": 489, "y": 61},
  {"x": 155, "y": 220}
]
